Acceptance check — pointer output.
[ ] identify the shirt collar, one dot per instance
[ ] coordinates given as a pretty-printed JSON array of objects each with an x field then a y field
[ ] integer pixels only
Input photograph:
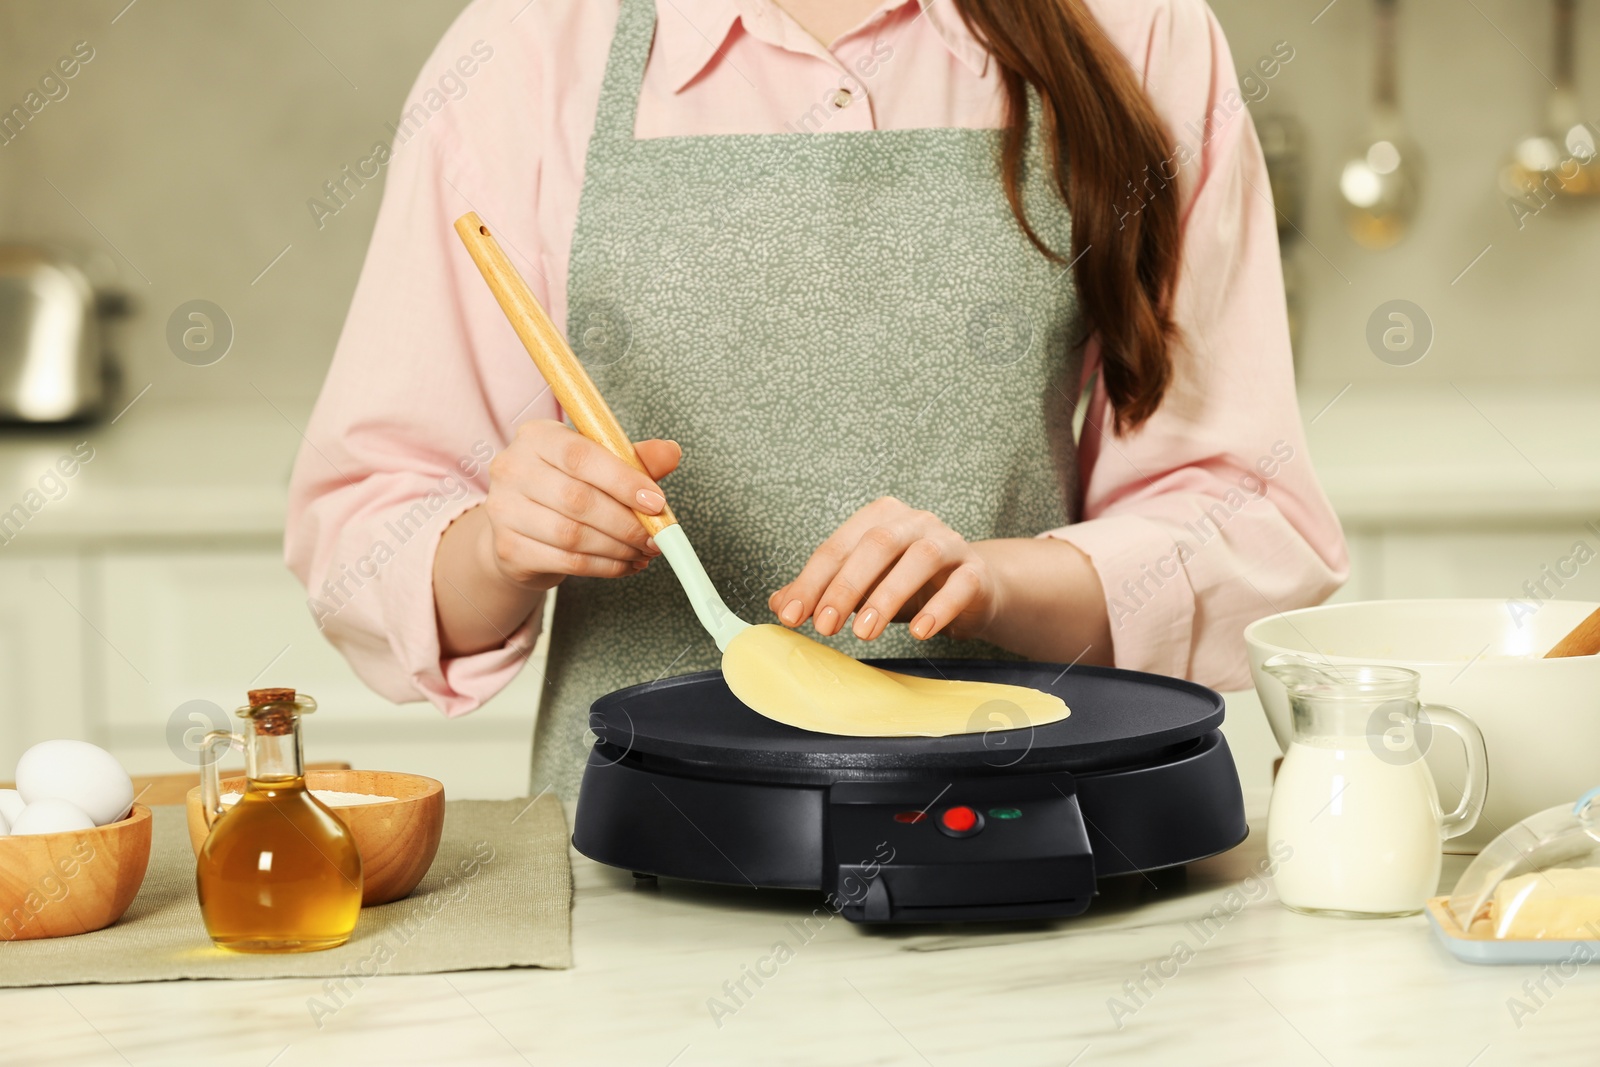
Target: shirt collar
[
  {"x": 952, "y": 30},
  {"x": 691, "y": 33}
]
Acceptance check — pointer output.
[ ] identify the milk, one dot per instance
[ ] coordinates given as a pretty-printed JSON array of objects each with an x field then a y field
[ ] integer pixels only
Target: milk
[{"x": 1365, "y": 831}]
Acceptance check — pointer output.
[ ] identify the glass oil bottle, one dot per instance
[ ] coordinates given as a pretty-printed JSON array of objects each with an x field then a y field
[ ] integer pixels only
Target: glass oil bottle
[{"x": 279, "y": 871}]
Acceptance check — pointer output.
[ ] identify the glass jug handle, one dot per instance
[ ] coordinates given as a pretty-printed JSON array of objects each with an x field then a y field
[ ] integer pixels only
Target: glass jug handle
[
  {"x": 211, "y": 775},
  {"x": 1465, "y": 817}
]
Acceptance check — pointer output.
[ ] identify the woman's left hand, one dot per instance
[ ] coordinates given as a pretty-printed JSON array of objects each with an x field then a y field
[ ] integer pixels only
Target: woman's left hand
[{"x": 889, "y": 563}]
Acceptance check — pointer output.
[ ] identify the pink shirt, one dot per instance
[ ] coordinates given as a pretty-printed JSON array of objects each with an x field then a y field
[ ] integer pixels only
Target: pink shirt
[{"x": 1206, "y": 518}]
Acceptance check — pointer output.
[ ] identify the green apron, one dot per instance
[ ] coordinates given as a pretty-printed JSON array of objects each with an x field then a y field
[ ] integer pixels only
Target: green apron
[{"x": 820, "y": 319}]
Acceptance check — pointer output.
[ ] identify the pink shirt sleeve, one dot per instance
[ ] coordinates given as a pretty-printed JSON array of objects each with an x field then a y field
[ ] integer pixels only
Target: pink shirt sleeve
[
  {"x": 426, "y": 385},
  {"x": 1209, "y": 516}
]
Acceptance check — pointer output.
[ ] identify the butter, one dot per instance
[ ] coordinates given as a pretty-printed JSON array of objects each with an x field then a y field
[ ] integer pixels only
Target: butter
[{"x": 1560, "y": 903}]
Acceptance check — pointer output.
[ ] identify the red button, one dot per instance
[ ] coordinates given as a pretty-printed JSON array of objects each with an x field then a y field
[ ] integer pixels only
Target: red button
[
  {"x": 959, "y": 819},
  {"x": 910, "y": 816}
]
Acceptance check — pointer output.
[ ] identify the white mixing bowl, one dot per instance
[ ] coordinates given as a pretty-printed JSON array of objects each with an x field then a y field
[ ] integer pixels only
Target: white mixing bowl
[{"x": 1540, "y": 717}]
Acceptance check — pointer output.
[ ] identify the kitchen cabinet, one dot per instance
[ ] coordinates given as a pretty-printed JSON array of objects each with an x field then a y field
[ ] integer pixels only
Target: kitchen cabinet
[
  {"x": 42, "y": 652},
  {"x": 209, "y": 625},
  {"x": 163, "y": 627}
]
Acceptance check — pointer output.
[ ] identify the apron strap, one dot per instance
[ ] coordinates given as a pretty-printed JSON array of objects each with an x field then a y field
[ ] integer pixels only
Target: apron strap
[{"x": 624, "y": 77}]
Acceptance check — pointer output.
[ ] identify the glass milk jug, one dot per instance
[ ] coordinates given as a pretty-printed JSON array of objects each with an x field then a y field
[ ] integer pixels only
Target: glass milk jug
[
  {"x": 1354, "y": 801},
  {"x": 279, "y": 871}
]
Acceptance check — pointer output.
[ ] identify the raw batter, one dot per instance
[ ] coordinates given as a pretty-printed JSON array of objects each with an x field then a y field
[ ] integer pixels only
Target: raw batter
[{"x": 793, "y": 679}]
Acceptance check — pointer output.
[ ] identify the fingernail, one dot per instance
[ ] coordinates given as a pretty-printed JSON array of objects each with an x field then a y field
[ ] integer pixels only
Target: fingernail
[
  {"x": 640, "y": 564},
  {"x": 866, "y": 624},
  {"x": 921, "y": 626},
  {"x": 650, "y": 546},
  {"x": 791, "y": 612},
  {"x": 827, "y": 621},
  {"x": 650, "y": 500}
]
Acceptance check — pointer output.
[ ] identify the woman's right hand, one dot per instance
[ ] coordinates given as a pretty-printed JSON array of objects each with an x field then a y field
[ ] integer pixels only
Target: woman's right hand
[{"x": 560, "y": 504}]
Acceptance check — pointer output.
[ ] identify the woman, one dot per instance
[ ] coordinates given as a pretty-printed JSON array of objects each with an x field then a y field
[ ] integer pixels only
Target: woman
[{"x": 850, "y": 268}]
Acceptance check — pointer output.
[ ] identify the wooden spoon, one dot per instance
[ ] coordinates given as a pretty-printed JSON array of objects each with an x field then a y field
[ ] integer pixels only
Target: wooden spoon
[
  {"x": 592, "y": 417},
  {"x": 1584, "y": 640}
]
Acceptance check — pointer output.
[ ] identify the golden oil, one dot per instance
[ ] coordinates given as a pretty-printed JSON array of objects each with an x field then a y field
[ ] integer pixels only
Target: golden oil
[{"x": 279, "y": 872}]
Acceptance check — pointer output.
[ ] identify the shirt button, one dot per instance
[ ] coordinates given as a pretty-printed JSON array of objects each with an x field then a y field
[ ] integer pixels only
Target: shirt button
[{"x": 842, "y": 99}]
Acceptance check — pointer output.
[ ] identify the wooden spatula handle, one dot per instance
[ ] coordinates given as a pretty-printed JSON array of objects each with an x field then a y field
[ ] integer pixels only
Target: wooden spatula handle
[
  {"x": 571, "y": 384},
  {"x": 1584, "y": 640}
]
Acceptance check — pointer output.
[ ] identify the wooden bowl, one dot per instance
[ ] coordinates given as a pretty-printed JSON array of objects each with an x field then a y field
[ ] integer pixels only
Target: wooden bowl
[
  {"x": 397, "y": 839},
  {"x": 56, "y": 885}
]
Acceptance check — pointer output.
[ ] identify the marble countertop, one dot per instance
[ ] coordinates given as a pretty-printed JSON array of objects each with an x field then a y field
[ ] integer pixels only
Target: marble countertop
[
  {"x": 1256, "y": 984},
  {"x": 1388, "y": 456}
]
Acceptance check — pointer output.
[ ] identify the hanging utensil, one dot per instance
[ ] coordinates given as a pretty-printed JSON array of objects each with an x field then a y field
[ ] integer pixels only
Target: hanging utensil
[
  {"x": 1381, "y": 183},
  {"x": 1560, "y": 162}
]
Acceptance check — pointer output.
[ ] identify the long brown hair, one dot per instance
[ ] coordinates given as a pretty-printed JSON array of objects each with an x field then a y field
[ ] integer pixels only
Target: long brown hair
[{"x": 1113, "y": 162}]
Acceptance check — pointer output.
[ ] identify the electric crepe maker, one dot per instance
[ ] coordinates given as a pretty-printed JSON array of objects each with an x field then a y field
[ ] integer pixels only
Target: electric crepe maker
[{"x": 685, "y": 781}]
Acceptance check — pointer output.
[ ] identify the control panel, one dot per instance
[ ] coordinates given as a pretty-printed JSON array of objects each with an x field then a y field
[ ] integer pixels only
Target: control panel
[{"x": 1006, "y": 847}]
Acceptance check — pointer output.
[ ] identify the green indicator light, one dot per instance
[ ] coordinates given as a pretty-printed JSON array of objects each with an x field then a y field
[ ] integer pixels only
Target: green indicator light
[{"x": 1005, "y": 813}]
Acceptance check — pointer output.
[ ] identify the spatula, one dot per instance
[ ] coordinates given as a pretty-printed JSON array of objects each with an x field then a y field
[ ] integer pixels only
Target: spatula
[{"x": 592, "y": 417}]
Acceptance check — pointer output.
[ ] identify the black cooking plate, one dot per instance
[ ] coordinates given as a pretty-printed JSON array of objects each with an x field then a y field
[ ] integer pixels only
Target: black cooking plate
[{"x": 1118, "y": 717}]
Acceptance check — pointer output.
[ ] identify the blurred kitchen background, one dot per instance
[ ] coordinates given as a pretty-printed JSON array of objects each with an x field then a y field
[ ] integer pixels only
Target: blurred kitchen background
[{"x": 177, "y": 163}]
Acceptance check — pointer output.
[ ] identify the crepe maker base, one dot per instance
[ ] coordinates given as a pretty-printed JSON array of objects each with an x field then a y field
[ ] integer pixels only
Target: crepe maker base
[{"x": 1008, "y": 822}]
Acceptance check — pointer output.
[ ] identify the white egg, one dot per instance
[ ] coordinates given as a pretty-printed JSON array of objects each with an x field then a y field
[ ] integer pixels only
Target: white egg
[
  {"x": 5, "y": 826},
  {"x": 84, "y": 775},
  {"x": 11, "y": 804},
  {"x": 51, "y": 816}
]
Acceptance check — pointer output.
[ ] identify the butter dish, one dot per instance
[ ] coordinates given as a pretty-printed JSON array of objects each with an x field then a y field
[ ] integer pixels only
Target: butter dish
[
  {"x": 1488, "y": 949},
  {"x": 1531, "y": 896}
]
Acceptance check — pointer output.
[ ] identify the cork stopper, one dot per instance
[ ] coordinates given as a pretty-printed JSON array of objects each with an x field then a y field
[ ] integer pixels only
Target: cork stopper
[{"x": 274, "y": 721}]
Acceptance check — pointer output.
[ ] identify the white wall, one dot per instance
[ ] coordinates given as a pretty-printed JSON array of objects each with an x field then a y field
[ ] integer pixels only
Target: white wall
[{"x": 192, "y": 142}]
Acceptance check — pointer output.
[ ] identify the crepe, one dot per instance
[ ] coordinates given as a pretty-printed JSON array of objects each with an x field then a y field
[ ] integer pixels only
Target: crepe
[{"x": 790, "y": 678}]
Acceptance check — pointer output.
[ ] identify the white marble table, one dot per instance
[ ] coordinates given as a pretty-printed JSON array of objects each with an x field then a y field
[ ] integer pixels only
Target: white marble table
[{"x": 1263, "y": 986}]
